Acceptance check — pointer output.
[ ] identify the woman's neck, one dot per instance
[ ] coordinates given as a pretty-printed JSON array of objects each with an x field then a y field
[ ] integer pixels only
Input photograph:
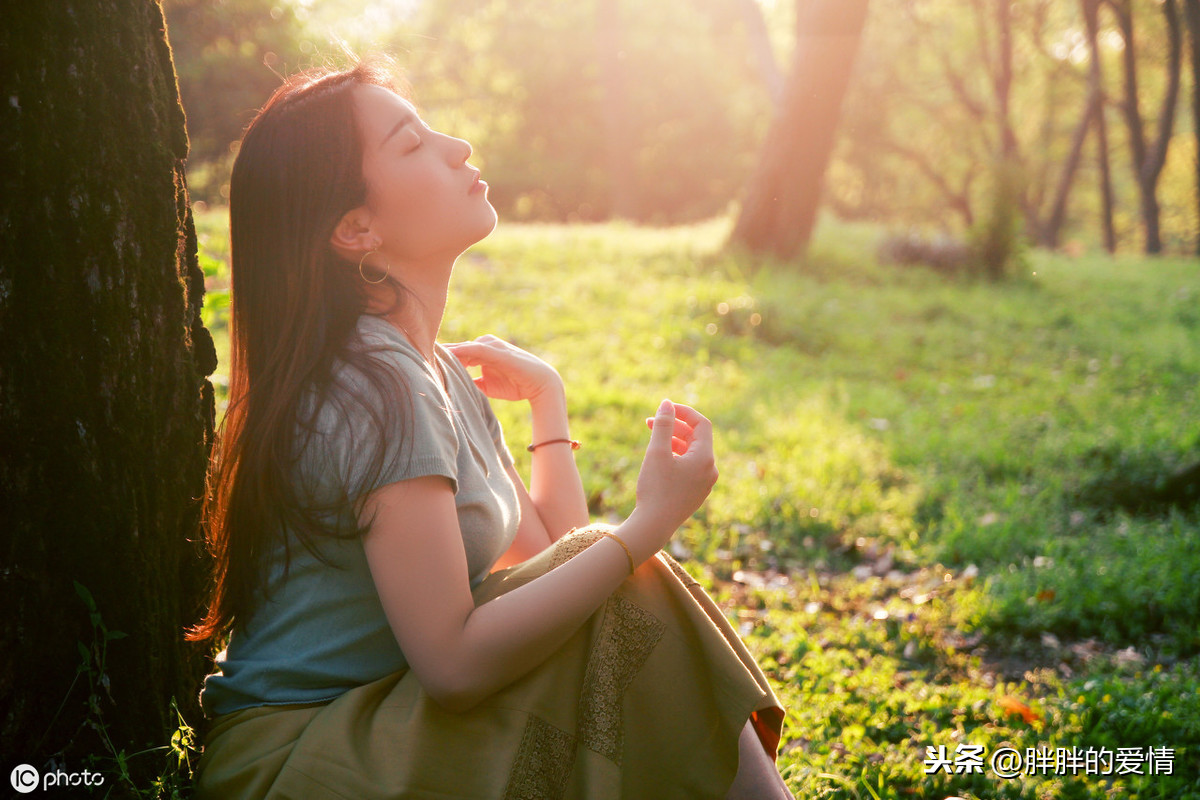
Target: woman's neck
[{"x": 421, "y": 321}]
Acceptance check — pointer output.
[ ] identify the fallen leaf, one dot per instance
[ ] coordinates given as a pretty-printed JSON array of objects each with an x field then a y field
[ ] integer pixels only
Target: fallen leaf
[{"x": 1013, "y": 706}]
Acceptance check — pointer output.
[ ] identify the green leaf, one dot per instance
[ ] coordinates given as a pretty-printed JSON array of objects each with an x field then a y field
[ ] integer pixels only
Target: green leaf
[{"x": 83, "y": 592}]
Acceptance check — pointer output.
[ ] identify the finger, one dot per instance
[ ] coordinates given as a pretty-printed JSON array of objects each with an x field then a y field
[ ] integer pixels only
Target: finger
[
  {"x": 678, "y": 446},
  {"x": 691, "y": 416},
  {"x": 660, "y": 434},
  {"x": 700, "y": 424},
  {"x": 681, "y": 429},
  {"x": 699, "y": 449},
  {"x": 471, "y": 354},
  {"x": 700, "y": 446},
  {"x": 463, "y": 351}
]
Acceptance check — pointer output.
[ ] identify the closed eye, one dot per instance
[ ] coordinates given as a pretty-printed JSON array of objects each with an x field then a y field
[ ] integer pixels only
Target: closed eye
[
  {"x": 418, "y": 138},
  {"x": 426, "y": 127}
]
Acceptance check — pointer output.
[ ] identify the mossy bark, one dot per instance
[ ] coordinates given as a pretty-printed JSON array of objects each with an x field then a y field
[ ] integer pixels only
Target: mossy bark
[{"x": 106, "y": 412}]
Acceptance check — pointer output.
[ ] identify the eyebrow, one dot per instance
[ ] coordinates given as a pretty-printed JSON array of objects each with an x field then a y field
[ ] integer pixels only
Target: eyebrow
[{"x": 407, "y": 120}]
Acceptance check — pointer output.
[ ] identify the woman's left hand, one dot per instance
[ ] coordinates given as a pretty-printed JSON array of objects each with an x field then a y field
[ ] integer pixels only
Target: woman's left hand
[{"x": 508, "y": 372}]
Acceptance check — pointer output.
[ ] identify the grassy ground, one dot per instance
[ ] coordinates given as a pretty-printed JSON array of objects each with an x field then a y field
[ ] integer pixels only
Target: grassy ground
[{"x": 938, "y": 522}]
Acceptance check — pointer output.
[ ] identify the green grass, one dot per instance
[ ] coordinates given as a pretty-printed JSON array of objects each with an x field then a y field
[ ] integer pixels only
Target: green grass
[{"x": 919, "y": 511}]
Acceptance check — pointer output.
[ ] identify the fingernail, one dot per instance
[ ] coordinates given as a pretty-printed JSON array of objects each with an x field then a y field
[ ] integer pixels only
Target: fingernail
[{"x": 665, "y": 406}]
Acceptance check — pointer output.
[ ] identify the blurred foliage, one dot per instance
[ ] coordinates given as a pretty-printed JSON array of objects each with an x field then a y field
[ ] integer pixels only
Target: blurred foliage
[
  {"x": 521, "y": 80},
  {"x": 524, "y": 82},
  {"x": 997, "y": 239},
  {"x": 940, "y": 252},
  {"x": 224, "y": 53},
  {"x": 919, "y": 135}
]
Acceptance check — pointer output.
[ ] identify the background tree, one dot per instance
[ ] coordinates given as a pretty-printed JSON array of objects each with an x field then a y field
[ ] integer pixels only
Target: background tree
[
  {"x": 995, "y": 94},
  {"x": 664, "y": 122},
  {"x": 1192, "y": 15},
  {"x": 1091, "y": 14},
  {"x": 759, "y": 39},
  {"x": 1148, "y": 157},
  {"x": 922, "y": 124},
  {"x": 781, "y": 200},
  {"x": 106, "y": 414}
]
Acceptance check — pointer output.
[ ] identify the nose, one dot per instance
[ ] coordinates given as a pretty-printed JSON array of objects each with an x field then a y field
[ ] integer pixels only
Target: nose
[{"x": 463, "y": 146}]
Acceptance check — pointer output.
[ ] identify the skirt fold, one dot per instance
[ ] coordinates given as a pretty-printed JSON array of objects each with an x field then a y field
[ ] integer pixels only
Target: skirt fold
[{"x": 647, "y": 699}]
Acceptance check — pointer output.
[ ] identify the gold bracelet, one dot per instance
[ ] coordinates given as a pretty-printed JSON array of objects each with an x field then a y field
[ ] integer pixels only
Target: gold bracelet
[{"x": 624, "y": 547}]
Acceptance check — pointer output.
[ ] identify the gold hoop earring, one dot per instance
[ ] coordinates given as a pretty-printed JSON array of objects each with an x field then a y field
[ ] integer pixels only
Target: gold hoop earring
[{"x": 364, "y": 277}]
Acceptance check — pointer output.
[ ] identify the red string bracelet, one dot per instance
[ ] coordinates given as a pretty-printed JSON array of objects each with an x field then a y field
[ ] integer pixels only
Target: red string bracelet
[{"x": 574, "y": 444}]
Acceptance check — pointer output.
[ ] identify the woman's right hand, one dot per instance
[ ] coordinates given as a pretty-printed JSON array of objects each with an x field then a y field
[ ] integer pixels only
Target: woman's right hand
[{"x": 678, "y": 470}]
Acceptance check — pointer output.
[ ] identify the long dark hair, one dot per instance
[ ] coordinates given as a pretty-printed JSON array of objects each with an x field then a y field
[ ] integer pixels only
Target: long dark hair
[{"x": 294, "y": 304}]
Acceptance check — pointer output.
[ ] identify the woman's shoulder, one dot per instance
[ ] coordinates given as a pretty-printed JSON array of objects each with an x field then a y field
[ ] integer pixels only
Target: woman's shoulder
[
  {"x": 381, "y": 341},
  {"x": 367, "y": 375},
  {"x": 376, "y": 331}
]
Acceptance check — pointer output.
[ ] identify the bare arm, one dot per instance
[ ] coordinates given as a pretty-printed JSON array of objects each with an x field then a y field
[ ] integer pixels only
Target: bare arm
[
  {"x": 558, "y": 485},
  {"x": 554, "y": 483},
  {"x": 531, "y": 537},
  {"x": 461, "y": 654},
  {"x": 555, "y": 489}
]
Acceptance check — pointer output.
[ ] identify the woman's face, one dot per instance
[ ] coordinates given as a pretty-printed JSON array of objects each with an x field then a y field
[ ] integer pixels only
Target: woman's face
[{"x": 419, "y": 186}]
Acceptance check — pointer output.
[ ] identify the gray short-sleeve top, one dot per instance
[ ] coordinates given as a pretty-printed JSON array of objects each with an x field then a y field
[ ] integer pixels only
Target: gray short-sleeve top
[{"x": 323, "y": 630}]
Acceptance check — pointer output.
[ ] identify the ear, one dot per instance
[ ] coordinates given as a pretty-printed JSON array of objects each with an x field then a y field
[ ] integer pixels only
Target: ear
[{"x": 352, "y": 236}]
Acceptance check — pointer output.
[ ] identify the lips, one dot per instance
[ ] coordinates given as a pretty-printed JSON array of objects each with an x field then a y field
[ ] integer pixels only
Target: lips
[{"x": 476, "y": 184}]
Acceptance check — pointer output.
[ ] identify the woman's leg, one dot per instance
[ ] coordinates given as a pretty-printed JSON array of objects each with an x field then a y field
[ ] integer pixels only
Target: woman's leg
[{"x": 757, "y": 778}]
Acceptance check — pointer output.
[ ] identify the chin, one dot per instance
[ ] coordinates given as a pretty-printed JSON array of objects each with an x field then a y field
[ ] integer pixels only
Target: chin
[{"x": 487, "y": 223}]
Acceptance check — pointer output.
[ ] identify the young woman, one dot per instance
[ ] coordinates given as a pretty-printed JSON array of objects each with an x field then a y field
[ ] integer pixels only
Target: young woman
[{"x": 405, "y": 618}]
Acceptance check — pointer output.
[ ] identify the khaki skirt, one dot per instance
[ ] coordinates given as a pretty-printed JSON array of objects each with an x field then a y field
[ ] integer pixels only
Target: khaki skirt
[{"x": 646, "y": 700}]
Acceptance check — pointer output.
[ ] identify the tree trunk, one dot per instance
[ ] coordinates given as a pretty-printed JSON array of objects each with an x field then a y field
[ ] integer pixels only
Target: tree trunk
[
  {"x": 1148, "y": 159},
  {"x": 1192, "y": 14},
  {"x": 783, "y": 195},
  {"x": 106, "y": 414},
  {"x": 1091, "y": 12},
  {"x": 1048, "y": 232},
  {"x": 760, "y": 44},
  {"x": 1002, "y": 80}
]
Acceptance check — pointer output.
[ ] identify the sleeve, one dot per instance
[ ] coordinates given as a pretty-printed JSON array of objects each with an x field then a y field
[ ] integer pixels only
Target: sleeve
[
  {"x": 493, "y": 424},
  {"x": 389, "y": 433}
]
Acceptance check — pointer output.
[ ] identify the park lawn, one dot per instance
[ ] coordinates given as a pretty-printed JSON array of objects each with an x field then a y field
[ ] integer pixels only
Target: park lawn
[{"x": 923, "y": 526}]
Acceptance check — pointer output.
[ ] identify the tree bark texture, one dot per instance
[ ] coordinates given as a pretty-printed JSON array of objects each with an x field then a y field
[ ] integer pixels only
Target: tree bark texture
[
  {"x": 106, "y": 412},
  {"x": 783, "y": 195}
]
